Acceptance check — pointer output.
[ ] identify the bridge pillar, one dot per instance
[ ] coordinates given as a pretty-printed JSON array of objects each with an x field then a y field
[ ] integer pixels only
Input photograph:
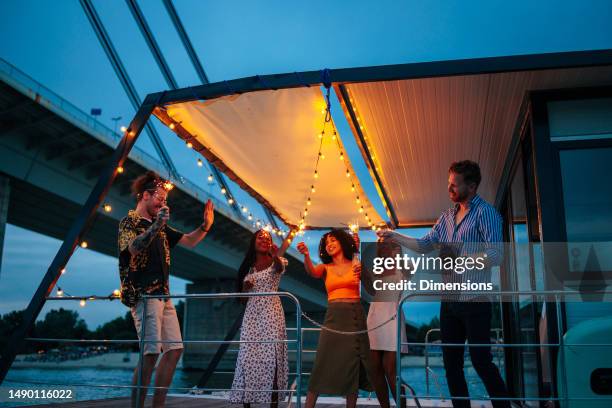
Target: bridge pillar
[
  {"x": 5, "y": 190},
  {"x": 209, "y": 319}
]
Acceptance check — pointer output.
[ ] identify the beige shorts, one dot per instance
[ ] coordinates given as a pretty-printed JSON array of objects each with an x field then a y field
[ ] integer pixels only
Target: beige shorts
[{"x": 161, "y": 324}]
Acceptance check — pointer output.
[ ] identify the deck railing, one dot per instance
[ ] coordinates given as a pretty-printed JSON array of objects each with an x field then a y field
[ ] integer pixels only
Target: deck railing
[{"x": 554, "y": 296}]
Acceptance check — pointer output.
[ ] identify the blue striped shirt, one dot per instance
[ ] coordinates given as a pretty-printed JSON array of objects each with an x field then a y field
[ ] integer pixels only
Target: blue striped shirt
[{"x": 479, "y": 232}]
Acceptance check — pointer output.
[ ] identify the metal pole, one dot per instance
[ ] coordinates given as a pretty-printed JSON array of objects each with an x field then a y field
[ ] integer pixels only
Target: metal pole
[
  {"x": 141, "y": 352},
  {"x": 78, "y": 229},
  {"x": 214, "y": 362},
  {"x": 398, "y": 357},
  {"x": 561, "y": 342},
  {"x": 298, "y": 327}
]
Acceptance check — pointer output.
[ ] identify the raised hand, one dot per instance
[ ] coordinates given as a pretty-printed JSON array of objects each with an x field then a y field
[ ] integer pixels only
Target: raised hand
[
  {"x": 303, "y": 249},
  {"x": 385, "y": 234},
  {"x": 209, "y": 214},
  {"x": 163, "y": 215}
]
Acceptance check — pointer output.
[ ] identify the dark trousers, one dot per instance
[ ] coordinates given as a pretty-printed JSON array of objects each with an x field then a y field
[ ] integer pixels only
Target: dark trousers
[{"x": 471, "y": 321}]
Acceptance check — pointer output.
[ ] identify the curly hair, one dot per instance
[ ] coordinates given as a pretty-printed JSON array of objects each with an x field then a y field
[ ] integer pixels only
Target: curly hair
[
  {"x": 347, "y": 243},
  {"x": 147, "y": 182}
]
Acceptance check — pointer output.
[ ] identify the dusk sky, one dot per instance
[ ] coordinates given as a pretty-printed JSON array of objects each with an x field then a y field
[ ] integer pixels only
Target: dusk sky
[{"x": 53, "y": 42}]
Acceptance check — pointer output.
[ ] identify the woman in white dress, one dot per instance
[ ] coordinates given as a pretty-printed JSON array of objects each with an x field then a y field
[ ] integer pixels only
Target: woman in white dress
[
  {"x": 383, "y": 340},
  {"x": 261, "y": 366}
]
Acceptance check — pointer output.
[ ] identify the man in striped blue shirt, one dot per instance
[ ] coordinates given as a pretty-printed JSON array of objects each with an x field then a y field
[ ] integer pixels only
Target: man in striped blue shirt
[{"x": 470, "y": 228}]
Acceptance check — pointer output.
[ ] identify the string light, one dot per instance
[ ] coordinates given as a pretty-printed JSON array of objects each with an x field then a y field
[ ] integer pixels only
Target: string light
[
  {"x": 244, "y": 209},
  {"x": 172, "y": 126},
  {"x": 82, "y": 302},
  {"x": 250, "y": 217},
  {"x": 108, "y": 208},
  {"x": 223, "y": 191},
  {"x": 119, "y": 169},
  {"x": 200, "y": 163},
  {"x": 59, "y": 292},
  {"x": 230, "y": 201},
  {"x": 210, "y": 178},
  {"x": 312, "y": 188},
  {"x": 63, "y": 271},
  {"x": 84, "y": 244},
  {"x": 123, "y": 129},
  {"x": 189, "y": 145}
]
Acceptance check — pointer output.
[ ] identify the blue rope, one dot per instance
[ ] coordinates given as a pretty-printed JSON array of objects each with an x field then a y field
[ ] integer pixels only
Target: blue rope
[{"x": 326, "y": 77}]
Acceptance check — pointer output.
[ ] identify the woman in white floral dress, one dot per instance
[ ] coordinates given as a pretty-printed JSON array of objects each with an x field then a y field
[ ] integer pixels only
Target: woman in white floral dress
[{"x": 261, "y": 366}]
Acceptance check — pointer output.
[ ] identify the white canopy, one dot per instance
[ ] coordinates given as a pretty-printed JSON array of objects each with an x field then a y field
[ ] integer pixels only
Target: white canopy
[{"x": 268, "y": 142}]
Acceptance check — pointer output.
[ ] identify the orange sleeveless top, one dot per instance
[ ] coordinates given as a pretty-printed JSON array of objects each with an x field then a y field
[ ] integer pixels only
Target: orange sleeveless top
[{"x": 343, "y": 286}]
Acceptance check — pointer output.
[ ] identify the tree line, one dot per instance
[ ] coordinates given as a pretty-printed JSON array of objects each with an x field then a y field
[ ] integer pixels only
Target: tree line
[{"x": 67, "y": 324}]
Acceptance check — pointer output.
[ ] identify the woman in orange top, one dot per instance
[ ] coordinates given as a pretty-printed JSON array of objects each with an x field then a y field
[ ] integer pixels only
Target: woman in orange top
[{"x": 341, "y": 365}]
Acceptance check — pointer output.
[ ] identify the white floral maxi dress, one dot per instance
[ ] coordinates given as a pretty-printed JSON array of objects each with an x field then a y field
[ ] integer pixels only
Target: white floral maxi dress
[{"x": 264, "y": 320}]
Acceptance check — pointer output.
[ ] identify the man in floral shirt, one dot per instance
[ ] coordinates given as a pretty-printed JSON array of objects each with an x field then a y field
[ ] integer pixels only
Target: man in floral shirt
[{"x": 145, "y": 241}]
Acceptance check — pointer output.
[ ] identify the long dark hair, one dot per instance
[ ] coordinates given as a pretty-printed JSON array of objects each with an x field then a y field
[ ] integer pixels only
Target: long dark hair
[
  {"x": 247, "y": 262},
  {"x": 347, "y": 243}
]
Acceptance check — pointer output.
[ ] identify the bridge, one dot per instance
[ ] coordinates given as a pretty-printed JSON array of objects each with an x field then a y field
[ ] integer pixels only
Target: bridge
[{"x": 51, "y": 154}]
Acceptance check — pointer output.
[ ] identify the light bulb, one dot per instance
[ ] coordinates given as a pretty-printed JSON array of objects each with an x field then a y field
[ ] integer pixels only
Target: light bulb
[
  {"x": 84, "y": 244},
  {"x": 123, "y": 129},
  {"x": 200, "y": 164},
  {"x": 82, "y": 302},
  {"x": 108, "y": 208},
  {"x": 119, "y": 169},
  {"x": 189, "y": 145},
  {"x": 210, "y": 178},
  {"x": 230, "y": 201},
  {"x": 312, "y": 188},
  {"x": 116, "y": 292},
  {"x": 223, "y": 191},
  {"x": 59, "y": 292}
]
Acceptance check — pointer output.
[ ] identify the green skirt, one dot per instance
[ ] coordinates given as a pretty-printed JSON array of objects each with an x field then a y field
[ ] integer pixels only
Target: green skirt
[{"x": 342, "y": 363}]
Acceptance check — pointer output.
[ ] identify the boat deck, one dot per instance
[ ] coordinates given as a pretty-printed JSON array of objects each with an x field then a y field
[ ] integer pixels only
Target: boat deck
[{"x": 175, "y": 401}]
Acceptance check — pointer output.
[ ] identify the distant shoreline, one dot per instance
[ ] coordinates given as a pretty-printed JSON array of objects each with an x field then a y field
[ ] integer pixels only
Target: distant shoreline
[
  {"x": 115, "y": 360},
  {"x": 106, "y": 360}
]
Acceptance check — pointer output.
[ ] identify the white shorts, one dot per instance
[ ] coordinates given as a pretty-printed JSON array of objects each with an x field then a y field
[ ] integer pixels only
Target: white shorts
[{"x": 161, "y": 324}]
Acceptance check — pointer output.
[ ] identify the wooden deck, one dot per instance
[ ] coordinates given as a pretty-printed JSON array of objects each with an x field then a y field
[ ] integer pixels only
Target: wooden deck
[{"x": 203, "y": 402}]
